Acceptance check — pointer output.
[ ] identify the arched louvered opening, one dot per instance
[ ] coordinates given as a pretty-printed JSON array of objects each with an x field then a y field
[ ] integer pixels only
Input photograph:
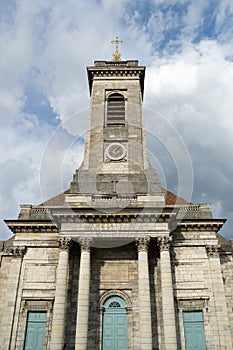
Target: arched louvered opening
[{"x": 115, "y": 109}]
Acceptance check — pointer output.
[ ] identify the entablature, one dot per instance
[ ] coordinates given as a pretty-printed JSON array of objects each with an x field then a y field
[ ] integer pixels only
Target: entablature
[
  {"x": 41, "y": 226},
  {"x": 200, "y": 225},
  {"x": 141, "y": 215}
]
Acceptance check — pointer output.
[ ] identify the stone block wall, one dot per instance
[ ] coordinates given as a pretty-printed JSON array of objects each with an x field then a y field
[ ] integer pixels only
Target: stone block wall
[
  {"x": 227, "y": 271},
  {"x": 114, "y": 271},
  {"x": 9, "y": 280},
  {"x": 27, "y": 283},
  {"x": 198, "y": 286}
]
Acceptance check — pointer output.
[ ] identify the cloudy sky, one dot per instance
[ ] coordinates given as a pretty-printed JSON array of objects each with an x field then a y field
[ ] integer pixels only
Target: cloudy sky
[{"x": 187, "y": 47}]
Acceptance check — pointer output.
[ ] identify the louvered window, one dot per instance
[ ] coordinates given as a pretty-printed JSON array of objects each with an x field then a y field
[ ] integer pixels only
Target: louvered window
[{"x": 115, "y": 109}]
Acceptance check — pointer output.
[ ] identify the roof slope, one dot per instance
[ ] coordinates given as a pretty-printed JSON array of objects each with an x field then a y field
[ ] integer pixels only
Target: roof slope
[{"x": 170, "y": 199}]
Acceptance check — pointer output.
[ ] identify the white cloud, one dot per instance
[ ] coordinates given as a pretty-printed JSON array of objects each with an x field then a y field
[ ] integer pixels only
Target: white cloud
[
  {"x": 175, "y": 79},
  {"x": 195, "y": 93},
  {"x": 47, "y": 45},
  {"x": 225, "y": 8},
  {"x": 194, "y": 15}
]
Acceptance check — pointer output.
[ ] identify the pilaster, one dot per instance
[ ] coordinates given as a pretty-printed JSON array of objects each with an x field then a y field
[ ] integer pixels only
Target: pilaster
[
  {"x": 58, "y": 323},
  {"x": 17, "y": 253},
  {"x": 224, "y": 333}
]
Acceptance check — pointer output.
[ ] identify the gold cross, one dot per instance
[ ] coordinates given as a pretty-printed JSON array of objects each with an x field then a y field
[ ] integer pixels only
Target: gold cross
[{"x": 116, "y": 56}]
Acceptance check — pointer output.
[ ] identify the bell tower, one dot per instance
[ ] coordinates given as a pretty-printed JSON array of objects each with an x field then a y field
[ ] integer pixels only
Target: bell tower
[{"x": 115, "y": 162}]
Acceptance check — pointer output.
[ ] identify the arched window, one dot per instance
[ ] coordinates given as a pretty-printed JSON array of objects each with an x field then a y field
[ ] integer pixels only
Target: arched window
[{"x": 115, "y": 109}]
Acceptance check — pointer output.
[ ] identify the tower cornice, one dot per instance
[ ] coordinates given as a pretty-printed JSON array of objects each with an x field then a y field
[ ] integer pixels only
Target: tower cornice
[{"x": 121, "y": 69}]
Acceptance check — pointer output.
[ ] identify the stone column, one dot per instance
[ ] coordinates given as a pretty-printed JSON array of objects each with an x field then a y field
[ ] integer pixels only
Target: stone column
[
  {"x": 168, "y": 310},
  {"x": 83, "y": 296},
  {"x": 221, "y": 310},
  {"x": 58, "y": 322},
  {"x": 144, "y": 293}
]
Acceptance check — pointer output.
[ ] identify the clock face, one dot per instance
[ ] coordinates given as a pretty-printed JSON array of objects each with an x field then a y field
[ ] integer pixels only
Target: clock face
[{"x": 115, "y": 151}]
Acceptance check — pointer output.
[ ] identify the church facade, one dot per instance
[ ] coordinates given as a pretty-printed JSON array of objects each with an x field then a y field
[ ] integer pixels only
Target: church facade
[{"x": 116, "y": 262}]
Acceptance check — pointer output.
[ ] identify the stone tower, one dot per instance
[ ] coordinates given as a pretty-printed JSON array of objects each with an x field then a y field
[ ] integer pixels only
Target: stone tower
[
  {"x": 116, "y": 262},
  {"x": 115, "y": 162}
]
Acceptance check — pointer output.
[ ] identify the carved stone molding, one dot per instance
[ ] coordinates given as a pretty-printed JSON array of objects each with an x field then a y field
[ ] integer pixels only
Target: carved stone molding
[
  {"x": 85, "y": 244},
  {"x": 192, "y": 304},
  {"x": 143, "y": 243},
  {"x": 19, "y": 226},
  {"x": 35, "y": 305},
  {"x": 213, "y": 226},
  {"x": 212, "y": 251},
  {"x": 109, "y": 219},
  {"x": 17, "y": 251},
  {"x": 113, "y": 73},
  {"x": 64, "y": 243},
  {"x": 164, "y": 243}
]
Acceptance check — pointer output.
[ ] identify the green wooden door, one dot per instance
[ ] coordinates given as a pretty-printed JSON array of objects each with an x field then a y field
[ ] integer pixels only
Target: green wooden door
[
  {"x": 35, "y": 332},
  {"x": 194, "y": 330},
  {"x": 115, "y": 325}
]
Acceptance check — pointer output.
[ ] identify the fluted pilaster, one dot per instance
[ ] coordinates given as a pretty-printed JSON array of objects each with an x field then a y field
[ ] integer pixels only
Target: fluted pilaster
[{"x": 58, "y": 323}]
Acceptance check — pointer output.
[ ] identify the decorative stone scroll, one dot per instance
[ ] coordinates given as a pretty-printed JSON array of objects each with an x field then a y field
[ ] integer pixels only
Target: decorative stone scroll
[
  {"x": 213, "y": 251},
  {"x": 17, "y": 251},
  {"x": 64, "y": 243},
  {"x": 85, "y": 244},
  {"x": 164, "y": 243},
  {"x": 143, "y": 243}
]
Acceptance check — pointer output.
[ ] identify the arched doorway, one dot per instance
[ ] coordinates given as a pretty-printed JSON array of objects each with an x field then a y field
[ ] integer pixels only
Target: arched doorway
[{"x": 114, "y": 324}]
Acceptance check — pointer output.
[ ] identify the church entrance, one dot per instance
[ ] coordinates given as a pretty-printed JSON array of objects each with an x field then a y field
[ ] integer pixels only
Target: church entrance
[
  {"x": 115, "y": 324},
  {"x": 35, "y": 332},
  {"x": 194, "y": 330}
]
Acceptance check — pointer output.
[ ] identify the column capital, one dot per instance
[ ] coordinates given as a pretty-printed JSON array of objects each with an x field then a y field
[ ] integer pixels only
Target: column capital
[
  {"x": 85, "y": 244},
  {"x": 64, "y": 243},
  {"x": 143, "y": 243},
  {"x": 18, "y": 251},
  {"x": 164, "y": 243},
  {"x": 212, "y": 250}
]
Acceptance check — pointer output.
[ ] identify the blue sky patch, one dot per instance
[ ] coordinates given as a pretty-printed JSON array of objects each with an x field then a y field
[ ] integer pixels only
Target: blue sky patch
[{"x": 37, "y": 104}]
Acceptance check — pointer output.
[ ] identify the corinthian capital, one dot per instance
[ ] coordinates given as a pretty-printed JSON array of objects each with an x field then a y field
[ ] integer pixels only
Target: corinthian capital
[
  {"x": 212, "y": 251},
  {"x": 85, "y": 244},
  {"x": 17, "y": 251},
  {"x": 164, "y": 243},
  {"x": 64, "y": 243},
  {"x": 143, "y": 243}
]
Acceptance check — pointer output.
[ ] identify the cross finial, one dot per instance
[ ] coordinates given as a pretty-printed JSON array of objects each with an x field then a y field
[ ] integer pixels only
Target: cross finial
[{"x": 116, "y": 56}]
